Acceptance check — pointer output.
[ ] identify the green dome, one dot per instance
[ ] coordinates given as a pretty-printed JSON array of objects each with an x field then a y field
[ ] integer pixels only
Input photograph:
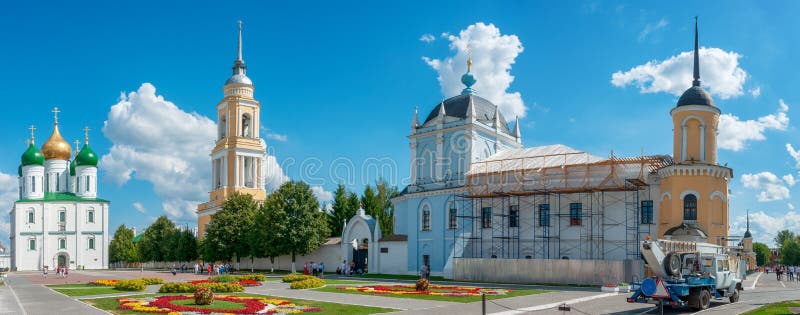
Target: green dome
[
  {"x": 32, "y": 156},
  {"x": 86, "y": 157},
  {"x": 19, "y": 171},
  {"x": 72, "y": 168}
]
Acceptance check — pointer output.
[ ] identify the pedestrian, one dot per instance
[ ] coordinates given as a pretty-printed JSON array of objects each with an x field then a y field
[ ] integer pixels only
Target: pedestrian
[
  {"x": 322, "y": 270},
  {"x": 44, "y": 273},
  {"x": 305, "y": 268},
  {"x": 423, "y": 272},
  {"x": 209, "y": 269},
  {"x": 352, "y": 267},
  {"x": 344, "y": 267},
  {"x": 196, "y": 268},
  {"x": 66, "y": 272}
]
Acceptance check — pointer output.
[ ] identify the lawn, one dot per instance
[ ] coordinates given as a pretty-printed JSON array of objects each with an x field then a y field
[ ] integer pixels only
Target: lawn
[
  {"x": 111, "y": 305},
  {"x": 87, "y": 291},
  {"x": 398, "y": 277},
  {"x": 460, "y": 299},
  {"x": 775, "y": 308},
  {"x": 347, "y": 282}
]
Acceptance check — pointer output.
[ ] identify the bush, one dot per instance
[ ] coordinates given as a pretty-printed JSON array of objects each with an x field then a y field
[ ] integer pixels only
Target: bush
[
  {"x": 203, "y": 296},
  {"x": 423, "y": 285},
  {"x": 130, "y": 285},
  {"x": 151, "y": 281},
  {"x": 105, "y": 283},
  {"x": 310, "y": 283},
  {"x": 292, "y": 277},
  {"x": 223, "y": 278},
  {"x": 183, "y": 287},
  {"x": 254, "y": 276}
]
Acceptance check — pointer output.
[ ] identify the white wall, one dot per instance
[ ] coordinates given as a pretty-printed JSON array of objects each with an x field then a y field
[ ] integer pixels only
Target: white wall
[
  {"x": 331, "y": 255},
  {"x": 396, "y": 260}
]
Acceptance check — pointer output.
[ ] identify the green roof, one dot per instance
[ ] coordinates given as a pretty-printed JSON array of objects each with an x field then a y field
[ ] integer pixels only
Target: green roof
[
  {"x": 53, "y": 196},
  {"x": 137, "y": 237},
  {"x": 86, "y": 157},
  {"x": 72, "y": 168},
  {"x": 32, "y": 156}
]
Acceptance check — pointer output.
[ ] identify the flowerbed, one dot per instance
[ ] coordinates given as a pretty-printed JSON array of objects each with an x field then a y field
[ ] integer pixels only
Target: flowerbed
[
  {"x": 309, "y": 283},
  {"x": 249, "y": 305},
  {"x": 244, "y": 283},
  {"x": 104, "y": 283},
  {"x": 184, "y": 287},
  {"x": 292, "y": 277},
  {"x": 113, "y": 282},
  {"x": 441, "y": 290}
]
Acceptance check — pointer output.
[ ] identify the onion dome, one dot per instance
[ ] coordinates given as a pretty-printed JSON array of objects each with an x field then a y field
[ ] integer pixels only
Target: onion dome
[
  {"x": 56, "y": 147},
  {"x": 86, "y": 157},
  {"x": 468, "y": 79},
  {"x": 32, "y": 156},
  {"x": 696, "y": 95}
]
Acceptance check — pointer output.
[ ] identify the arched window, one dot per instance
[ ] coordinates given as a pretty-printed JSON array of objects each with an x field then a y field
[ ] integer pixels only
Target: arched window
[
  {"x": 223, "y": 126},
  {"x": 426, "y": 218},
  {"x": 246, "y": 126},
  {"x": 690, "y": 207}
]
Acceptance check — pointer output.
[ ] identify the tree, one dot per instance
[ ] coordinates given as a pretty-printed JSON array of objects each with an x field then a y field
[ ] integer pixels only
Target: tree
[
  {"x": 369, "y": 200},
  {"x": 385, "y": 214},
  {"x": 266, "y": 234},
  {"x": 122, "y": 248},
  {"x": 790, "y": 252},
  {"x": 299, "y": 225},
  {"x": 762, "y": 253},
  {"x": 342, "y": 210},
  {"x": 184, "y": 246},
  {"x": 782, "y": 236},
  {"x": 228, "y": 232},
  {"x": 155, "y": 243}
]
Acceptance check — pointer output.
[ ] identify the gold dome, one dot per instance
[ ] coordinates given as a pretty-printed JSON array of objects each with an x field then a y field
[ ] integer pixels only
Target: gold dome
[{"x": 56, "y": 147}]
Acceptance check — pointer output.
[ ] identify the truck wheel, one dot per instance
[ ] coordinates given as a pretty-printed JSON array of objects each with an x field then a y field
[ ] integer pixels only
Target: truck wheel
[
  {"x": 693, "y": 299},
  {"x": 672, "y": 264},
  {"x": 705, "y": 299},
  {"x": 735, "y": 296}
]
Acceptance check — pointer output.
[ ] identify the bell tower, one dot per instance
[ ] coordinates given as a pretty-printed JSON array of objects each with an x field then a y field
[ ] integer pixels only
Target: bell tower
[
  {"x": 694, "y": 189},
  {"x": 238, "y": 156}
]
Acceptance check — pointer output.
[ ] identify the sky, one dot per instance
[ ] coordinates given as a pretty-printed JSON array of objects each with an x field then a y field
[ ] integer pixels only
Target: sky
[{"x": 338, "y": 84}]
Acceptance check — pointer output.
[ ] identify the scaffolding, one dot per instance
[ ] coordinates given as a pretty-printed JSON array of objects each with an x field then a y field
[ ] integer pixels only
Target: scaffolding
[{"x": 554, "y": 202}]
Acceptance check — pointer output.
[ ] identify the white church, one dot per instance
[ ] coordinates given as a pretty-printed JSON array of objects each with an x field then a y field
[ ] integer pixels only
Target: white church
[{"x": 58, "y": 220}]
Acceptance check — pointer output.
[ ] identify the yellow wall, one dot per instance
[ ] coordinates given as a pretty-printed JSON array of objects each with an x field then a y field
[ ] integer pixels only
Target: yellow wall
[
  {"x": 712, "y": 214},
  {"x": 708, "y": 116}
]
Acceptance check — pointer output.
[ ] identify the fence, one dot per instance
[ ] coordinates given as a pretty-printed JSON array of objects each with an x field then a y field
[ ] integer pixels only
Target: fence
[{"x": 550, "y": 271}]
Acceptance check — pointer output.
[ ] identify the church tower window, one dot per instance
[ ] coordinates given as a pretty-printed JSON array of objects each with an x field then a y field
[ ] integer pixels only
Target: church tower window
[
  {"x": 690, "y": 207},
  {"x": 31, "y": 244},
  {"x": 91, "y": 243},
  {"x": 31, "y": 217},
  {"x": 62, "y": 243},
  {"x": 246, "y": 132},
  {"x": 452, "y": 217},
  {"x": 90, "y": 216},
  {"x": 223, "y": 125},
  {"x": 426, "y": 219}
]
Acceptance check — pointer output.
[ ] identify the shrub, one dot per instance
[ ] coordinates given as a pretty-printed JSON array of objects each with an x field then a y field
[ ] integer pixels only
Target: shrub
[
  {"x": 130, "y": 285},
  {"x": 105, "y": 283},
  {"x": 203, "y": 296},
  {"x": 223, "y": 278},
  {"x": 183, "y": 287},
  {"x": 254, "y": 276},
  {"x": 423, "y": 285},
  {"x": 151, "y": 281},
  {"x": 292, "y": 277},
  {"x": 310, "y": 283}
]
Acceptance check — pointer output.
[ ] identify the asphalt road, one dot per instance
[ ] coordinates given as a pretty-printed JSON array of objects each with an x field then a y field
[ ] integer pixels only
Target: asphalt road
[{"x": 767, "y": 290}]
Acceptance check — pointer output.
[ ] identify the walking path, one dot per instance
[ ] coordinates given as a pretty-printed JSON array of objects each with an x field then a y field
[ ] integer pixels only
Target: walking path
[{"x": 33, "y": 299}]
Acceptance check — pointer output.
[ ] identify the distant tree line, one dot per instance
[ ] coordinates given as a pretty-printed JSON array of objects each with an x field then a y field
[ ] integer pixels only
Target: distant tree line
[{"x": 161, "y": 241}]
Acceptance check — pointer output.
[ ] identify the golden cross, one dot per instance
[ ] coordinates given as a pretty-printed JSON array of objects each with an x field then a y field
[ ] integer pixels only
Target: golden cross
[
  {"x": 55, "y": 113},
  {"x": 469, "y": 58},
  {"x": 86, "y": 133},
  {"x": 77, "y": 143},
  {"x": 32, "y": 128}
]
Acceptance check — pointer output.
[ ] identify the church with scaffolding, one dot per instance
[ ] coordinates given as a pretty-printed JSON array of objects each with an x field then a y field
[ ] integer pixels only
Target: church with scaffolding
[{"x": 480, "y": 206}]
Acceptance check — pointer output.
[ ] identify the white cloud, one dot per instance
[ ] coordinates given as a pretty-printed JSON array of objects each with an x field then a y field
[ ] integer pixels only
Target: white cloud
[
  {"x": 156, "y": 141},
  {"x": 756, "y": 92},
  {"x": 9, "y": 193},
  {"x": 771, "y": 187},
  {"x": 139, "y": 207},
  {"x": 734, "y": 133},
  {"x": 321, "y": 194},
  {"x": 795, "y": 155},
  {"x": 764, "y": 227},
  {"x": 277, "y": 137},
  {"x": 427, "y": 38},
  {"x": 652, "y": 27},
  {"x": 492, "y": 55},
  {"x": 789, "y": 179},
  {"x": 719, "y": 72},
  {"x": 790, "y": 206}
]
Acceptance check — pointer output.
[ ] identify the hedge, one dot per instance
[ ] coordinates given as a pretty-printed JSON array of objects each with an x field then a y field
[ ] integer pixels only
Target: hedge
[
  {"x": 183, "y": 287},
  {"x": 292, "y": 277},
  {"x": 130, "y": 285},
  {"x": 310, "y": 283}
]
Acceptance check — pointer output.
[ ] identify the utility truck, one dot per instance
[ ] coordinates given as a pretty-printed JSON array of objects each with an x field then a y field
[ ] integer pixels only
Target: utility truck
[{"x": 687, "y": 274}]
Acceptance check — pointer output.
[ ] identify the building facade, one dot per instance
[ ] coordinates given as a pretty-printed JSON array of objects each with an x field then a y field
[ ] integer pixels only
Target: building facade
[
  {"x": 58, "y": 220},
  {"x": 238, "y": 159},
  {"x": 475, "y": 192}
]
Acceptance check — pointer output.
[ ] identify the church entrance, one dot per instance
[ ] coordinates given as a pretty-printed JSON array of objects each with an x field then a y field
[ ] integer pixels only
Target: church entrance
[
  {"x": 360, "y": 259},
  {"x": 62, "y": 261}
]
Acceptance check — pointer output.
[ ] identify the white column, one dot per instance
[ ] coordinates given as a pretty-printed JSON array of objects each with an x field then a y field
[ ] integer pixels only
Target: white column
[
  {"x": 414, "y": 163},
  {"x": 235, "y": 171},
  {"x": 683, "y": 143},
  {"x": 703, "y": 143}
]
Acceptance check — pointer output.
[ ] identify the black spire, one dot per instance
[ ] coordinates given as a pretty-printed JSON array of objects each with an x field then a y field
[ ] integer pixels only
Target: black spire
[{"x": 696, "y": 81}]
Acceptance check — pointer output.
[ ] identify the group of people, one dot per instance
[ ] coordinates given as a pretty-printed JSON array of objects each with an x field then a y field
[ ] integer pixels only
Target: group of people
[
  {"x": 346, "y": 270},
  {"x": 788, "y": 273},
  {"x": 212, "y": 269},
  {"x": 60, "y": 271},
  {"x": 315, "y": 269}
]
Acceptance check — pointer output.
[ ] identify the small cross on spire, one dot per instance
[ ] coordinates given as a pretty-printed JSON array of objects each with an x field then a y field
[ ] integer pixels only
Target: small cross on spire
[
  {"x": 55, "y": 114},
  {"x": 77, "y": 145},
  {"x": 86, "y": 134},
  {"x": 32, "y": 129},
  {"x": 469, "y": 58}
]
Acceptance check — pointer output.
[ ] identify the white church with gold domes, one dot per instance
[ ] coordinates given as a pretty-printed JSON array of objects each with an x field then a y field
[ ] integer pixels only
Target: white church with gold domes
[{"x": 58, "y": 220}]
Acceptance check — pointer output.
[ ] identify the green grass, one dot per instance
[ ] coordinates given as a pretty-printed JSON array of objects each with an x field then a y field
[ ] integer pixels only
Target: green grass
[
  {"x": 775, "y": 308},
  {"x": 73, "y": 285},
  {"x": 220, "y": 305},
  {"x": 111, "y": 304},
  {"x": 400, "y": 277},
  {"x": 88, "y": 291},
  {"x": 348, "y": 282},
  {"x": 460, "y": 299}
]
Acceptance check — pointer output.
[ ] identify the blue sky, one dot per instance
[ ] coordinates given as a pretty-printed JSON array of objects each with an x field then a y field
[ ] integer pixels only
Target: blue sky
[{"x": 339, "y": 82}]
